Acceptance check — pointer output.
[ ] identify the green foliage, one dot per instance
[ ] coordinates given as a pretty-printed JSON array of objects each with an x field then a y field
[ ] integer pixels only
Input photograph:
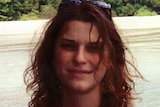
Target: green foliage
[
  {"x": 9, "y": 10},
  {"x": 145, "y": 11},
  {"x": 155, "y": 3},
  {"x": 56, "y": 4},
  {"x": 30, "y": 16},
  {"x": 35, "y": 9},
  {"x": 5, "y": 1},
  {"x": 127, "y": 10},
  {"x": 47, "y": 11},
  {"x": 134, "y": 7},
  {"x": 114, "y": 13},
  {"x": 27, "y": 9}
]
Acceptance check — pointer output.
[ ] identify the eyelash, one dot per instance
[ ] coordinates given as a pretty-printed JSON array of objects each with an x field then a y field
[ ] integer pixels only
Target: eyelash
[
  {"x": 94, "y": 48},
  {"x": 68, "y": 46},
  {"x": 89, "y": 47}
]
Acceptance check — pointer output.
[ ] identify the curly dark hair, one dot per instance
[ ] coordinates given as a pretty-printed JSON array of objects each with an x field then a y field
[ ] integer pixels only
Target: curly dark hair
[{"x": 117, "y": 84}]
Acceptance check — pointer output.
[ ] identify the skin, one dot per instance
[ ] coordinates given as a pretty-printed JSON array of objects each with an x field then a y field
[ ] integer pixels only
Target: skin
[{"x": 76, "y": 62}]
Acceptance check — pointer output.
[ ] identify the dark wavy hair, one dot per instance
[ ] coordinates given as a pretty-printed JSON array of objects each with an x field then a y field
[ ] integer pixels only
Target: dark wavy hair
[{"x": 117, "y": 84}]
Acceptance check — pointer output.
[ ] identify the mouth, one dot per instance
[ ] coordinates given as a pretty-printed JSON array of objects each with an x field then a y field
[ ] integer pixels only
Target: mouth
[{"x": 79, "y": 71}]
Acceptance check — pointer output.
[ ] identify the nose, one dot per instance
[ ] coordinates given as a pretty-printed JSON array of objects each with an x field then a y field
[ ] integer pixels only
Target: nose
[{"x": 80, "y": 56}]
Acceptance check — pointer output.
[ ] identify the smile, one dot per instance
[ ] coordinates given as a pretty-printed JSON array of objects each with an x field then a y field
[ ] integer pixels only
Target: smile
[{"x": 79, "y": 71}]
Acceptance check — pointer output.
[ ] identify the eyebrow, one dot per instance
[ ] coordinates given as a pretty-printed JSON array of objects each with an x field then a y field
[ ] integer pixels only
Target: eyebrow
[
  {"x": 68, "y": 40},
  {"x": 73, "y": 41}
]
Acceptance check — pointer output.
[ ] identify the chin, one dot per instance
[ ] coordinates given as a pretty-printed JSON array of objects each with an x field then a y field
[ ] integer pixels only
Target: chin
[{"x": 82, "y": 88}]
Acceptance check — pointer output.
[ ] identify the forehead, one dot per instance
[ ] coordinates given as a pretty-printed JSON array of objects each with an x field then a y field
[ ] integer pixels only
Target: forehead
[{"x": 80, "y": 30}]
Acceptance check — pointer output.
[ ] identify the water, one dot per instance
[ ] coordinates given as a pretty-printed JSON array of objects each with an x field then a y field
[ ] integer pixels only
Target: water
[
  {"x": 143, "y": 43},
  {"x": 12, "y": 88},
  {"x": 145, "y": 46}
]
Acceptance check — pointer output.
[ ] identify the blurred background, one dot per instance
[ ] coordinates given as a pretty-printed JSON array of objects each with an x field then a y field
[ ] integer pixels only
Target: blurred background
[{"x": 22, "y": 22}]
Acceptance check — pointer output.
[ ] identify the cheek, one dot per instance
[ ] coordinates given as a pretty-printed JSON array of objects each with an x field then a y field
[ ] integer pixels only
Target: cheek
[
  {"x": 94, "y": 59},
  {"x": 61, "y": 59},
  {"x": 101, "y": 71},
  {"x": 59, "y": 63}
]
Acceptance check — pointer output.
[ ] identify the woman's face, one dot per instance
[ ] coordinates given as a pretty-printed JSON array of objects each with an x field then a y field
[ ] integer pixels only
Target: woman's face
[{"x": 77, "y": 57}]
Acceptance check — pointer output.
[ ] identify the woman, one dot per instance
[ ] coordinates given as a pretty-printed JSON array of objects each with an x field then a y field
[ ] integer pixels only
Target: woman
[{"x": 81, "y": 60}]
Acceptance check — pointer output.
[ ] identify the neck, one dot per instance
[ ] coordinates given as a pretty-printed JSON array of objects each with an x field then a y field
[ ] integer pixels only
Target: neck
[{"x": 89, "y": 99}]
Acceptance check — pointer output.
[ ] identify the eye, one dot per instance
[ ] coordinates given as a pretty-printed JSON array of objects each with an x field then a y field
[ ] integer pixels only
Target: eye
[
  {"x": 68, "y": 46},
  {"x": 94, "y": 47}
]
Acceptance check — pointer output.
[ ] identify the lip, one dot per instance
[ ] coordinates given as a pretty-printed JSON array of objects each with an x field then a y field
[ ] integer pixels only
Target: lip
[{"x": 79, "y": 71}]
